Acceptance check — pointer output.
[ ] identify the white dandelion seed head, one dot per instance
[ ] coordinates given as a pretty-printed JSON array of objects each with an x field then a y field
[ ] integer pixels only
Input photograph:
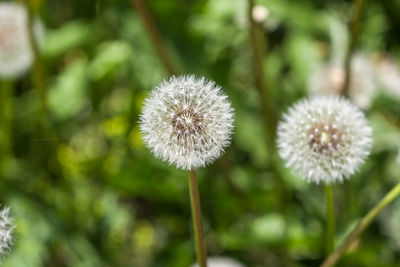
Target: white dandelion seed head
[
  {"x": 6, "y": 229},
  {"x": 330, "y": 78},
  {"x": 16, "y": 55},
  {"x": 260, "y": 13},
  {"x": 324, "y": 138},
  {"x": 221, "y": 262},
  {"x": 187, "y": 121}
]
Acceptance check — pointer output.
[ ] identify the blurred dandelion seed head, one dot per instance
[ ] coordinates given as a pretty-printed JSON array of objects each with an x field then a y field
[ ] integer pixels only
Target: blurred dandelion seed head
[
  {"x": 260, "y": 13},
  {"x": 187, "y": 121},
  {"x": 16, "y": 54},
  {"x": 6, "y": 229},
  {"x": 330, "y": 78},
  {"x": 324, "y": 138},
  {"x": 388, "y": 74},
  {"x": 221, "y": 262}
]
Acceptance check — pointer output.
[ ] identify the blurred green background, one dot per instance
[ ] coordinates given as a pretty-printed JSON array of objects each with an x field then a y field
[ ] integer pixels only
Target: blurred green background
[{"x": 84, "y": 190}]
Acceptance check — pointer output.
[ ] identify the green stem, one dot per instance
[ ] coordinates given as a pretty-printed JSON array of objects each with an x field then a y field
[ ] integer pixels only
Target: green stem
[
  {"x": 330, "y": 220},
  {"x": 6, "y": 114},
  {"x": 258, "y": 45},
  {"x": 38, "y": 72},
  {"x": 154, "y": 35},
  {"x": 354, "y": 29},
  {"x": 196, "y": 216},
  {"x": 362, "y": 225}
]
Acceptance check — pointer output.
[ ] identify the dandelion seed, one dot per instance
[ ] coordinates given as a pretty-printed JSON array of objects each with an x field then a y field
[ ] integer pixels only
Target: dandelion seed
[
  {"x": 324, "y": 138},
  {"x": 187, "y": 122},
  {"x": 6, "y": 229}
]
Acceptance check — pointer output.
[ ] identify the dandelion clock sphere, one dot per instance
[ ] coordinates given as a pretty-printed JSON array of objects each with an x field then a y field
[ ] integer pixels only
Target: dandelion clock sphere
[
  {"x": 324, "y": 138},
  {"x": 16, "y": 54},
  {"x": 6, "y": 229},
  {"x": 187, "y": 121}
]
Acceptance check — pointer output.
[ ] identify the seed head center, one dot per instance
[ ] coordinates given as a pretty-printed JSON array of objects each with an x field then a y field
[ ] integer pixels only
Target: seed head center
[
  {"x": 324, "y": 138},
  {"x": 187, "y": 121}
]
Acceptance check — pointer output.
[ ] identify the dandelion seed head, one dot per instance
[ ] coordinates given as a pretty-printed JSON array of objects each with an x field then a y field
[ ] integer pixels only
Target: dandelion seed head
[
  {"x": 16, "y": 54},
  {"x": 330, "y": 78},
  {"x": 6, "y": 230},
  {"x": 260, "y": 13},
  {"x": 324, "y": 138},
  {"x": 187, "y": 121}
]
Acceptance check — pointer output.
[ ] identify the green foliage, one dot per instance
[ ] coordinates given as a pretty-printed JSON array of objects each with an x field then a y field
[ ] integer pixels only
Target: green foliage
[{"x": 85, "y": 191}]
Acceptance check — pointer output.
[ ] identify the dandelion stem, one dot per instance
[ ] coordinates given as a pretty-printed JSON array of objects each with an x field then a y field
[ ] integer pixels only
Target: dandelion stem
[
  {"x": 258, "y": 46},
  {"x": 196, "y": 216},
  {"x": 154, "y": 35},
  {"x": 6, "y": 112},
  {"x": 354, "y": 29},
  {"x": 362, "y": 225},
  {"x": 38, "y": 72},
  {"x": 330, "y": 220}
]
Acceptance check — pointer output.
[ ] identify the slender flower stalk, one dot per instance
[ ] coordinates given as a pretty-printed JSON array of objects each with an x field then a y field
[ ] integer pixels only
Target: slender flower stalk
[
  {"x": 256, "y": 16},
  {"x": 362, "y": 225},
  {"x": 196, "y": 217},
  {"x": 330, "y": 220},
  {"x": 188, "y": 122},
  {"x": 354, "y": 30},
  {"x": 6, "y": 113},
  {"x": 155, "y": 36},
  {"x": 38, "y": 70},
  {"x": 258, "y": 46}
]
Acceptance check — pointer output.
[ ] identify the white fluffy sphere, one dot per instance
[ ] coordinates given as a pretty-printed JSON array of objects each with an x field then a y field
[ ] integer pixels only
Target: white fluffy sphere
[
  {"x": 16, "y": 55},
  {"x": 324, "y": 138},
  {"x": 187, "y": 121},
  {"x": 6, "y": 229}
]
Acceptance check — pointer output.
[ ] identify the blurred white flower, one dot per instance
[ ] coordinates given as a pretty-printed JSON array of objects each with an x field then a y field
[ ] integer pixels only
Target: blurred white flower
[
  {"x": 260, "y": 13},
  {"x": 6, "y": 229},
  {"x": 324, "y": 138},
  {"x": 221, "y": 262},
  {"x": 330, "y": 78},
  {"x": 388, "y": 75},
  {"x": 16, "y": 54},
  {"x": 187, "y": 121}
]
